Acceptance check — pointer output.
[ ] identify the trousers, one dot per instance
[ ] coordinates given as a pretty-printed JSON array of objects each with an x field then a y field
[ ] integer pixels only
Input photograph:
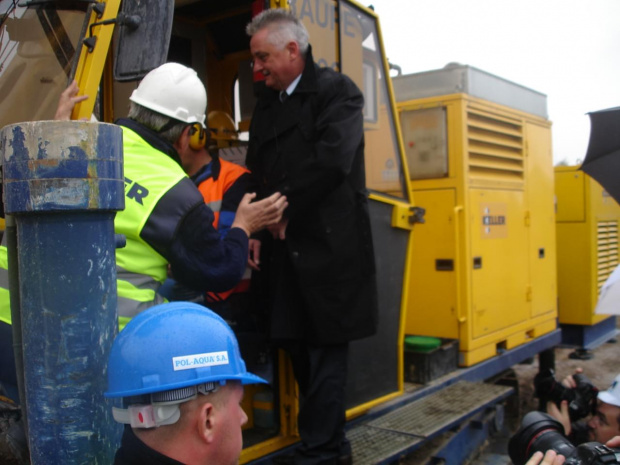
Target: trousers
[{"x": 321, "y": 374}]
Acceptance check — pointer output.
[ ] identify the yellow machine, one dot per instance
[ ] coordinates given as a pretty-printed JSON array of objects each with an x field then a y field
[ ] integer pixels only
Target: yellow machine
[
  {"x": 588, "y": 219},
  {"x": 483, "y": 269},
  {"x": 48, "y": 46}
]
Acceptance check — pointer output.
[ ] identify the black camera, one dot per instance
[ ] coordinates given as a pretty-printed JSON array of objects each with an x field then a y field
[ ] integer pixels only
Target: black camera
[
  {"x": 581, "y": 399},
  {"x": 541, "y": 432}
]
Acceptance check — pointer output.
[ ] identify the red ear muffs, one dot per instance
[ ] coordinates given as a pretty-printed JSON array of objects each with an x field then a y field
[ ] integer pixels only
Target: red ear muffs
[{"x": 197, "y": 136}]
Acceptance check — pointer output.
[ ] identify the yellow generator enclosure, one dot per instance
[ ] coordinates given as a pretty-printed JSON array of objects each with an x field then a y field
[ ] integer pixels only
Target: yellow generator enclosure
[
  {"x": 587, "y": 241},
  {"x": 479, "y": 157}
]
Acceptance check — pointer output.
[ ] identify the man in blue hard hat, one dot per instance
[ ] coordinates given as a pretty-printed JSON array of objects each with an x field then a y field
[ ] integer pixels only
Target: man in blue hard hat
[{"x": 178, "y": 368}]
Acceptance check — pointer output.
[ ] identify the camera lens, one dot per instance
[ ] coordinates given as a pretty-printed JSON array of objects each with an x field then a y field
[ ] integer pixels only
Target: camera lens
[{"x": 538, "y": 432}]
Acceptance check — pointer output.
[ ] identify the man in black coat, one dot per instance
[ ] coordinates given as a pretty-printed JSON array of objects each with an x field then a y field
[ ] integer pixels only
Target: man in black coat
[{"x": 318, "y": 271}]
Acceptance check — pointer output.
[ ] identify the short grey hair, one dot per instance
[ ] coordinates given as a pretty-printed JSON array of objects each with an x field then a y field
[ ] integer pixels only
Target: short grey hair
[
  {"x": 285, "y": 27},
  {"x": 156, "y": 121}
]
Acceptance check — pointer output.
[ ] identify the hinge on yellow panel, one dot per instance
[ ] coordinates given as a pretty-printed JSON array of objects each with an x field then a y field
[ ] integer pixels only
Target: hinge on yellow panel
[
  {"x": 528, "y": 294},
  {"x": 527, "y": 218},
  {"x": 417, "y": 215}
]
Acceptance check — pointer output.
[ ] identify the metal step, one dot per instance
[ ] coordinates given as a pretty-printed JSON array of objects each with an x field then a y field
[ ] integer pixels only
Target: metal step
[{"x": 393, "y": 435}]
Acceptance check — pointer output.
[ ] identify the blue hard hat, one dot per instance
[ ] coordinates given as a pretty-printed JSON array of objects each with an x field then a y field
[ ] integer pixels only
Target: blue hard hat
[{"x": 172, "y": 346}]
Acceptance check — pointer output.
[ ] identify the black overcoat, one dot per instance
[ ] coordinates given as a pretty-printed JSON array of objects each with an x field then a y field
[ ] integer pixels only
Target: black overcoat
[{"x": 321, "y": 278}]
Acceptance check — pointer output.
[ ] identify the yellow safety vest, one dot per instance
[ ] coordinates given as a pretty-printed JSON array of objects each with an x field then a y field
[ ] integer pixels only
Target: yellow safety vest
[{"x": 149, "y": 174}]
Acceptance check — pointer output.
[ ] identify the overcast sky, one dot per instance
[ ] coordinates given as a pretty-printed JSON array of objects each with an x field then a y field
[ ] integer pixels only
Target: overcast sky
[{"x": 566, "y": 49}]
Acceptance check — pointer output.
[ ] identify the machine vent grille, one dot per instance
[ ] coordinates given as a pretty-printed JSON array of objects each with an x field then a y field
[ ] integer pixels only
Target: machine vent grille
[
  {"x": 495, "y": 147},
  {"x": 607, "y": 249}
]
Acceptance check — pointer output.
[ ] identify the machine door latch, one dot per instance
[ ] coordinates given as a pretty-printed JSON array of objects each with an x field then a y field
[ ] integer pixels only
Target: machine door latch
[
  {"x": 417, "y": 215},
  {"x": 405, "y": 216}
]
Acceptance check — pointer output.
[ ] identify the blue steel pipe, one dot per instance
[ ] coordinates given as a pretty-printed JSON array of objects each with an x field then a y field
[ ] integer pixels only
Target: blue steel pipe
[{"x": 63, "y": 182}]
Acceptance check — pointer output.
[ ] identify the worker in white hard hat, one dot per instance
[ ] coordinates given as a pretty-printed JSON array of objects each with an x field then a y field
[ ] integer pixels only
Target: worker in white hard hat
[
  {"x": 166, "y": 220},
  {"x": 189, "y": 410}
]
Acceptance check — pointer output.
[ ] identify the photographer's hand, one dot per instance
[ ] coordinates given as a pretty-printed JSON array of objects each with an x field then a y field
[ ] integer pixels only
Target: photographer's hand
[
  {"x": 550, "y": 458},
  {"x": 560, "y": 415},
  {"x": 569, "y": 381},
  {"x": 613, "y": 442}
]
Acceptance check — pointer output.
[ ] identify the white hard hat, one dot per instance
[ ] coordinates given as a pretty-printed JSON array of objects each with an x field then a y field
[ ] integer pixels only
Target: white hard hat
[
  {"x": 173, "y": 90},
  {"x": 611, "y": 395}
]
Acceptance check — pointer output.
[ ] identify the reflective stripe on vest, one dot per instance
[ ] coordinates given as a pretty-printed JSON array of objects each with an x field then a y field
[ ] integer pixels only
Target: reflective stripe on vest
[
  {"x": 216, "y": 206},
  {"x": 141, "y": 289},
  {"x": 129, "y": 306},
  {"x": 149, "y": 174}
]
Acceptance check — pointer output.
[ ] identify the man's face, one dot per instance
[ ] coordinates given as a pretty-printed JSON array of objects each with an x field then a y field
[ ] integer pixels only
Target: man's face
[
  {"x": 229, "y": 439},
  {"x": 274, "y": 63},
  {"x": 604, "y": 424}
]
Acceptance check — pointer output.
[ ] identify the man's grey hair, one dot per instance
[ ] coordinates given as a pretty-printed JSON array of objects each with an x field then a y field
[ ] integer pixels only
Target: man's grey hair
[
  {"x": 156, "y": 121},
  {"x": 285, "y": 27}
]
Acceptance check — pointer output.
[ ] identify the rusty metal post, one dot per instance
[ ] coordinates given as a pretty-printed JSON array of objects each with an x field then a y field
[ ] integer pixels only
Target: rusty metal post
[{"x": 63, "y": 183}]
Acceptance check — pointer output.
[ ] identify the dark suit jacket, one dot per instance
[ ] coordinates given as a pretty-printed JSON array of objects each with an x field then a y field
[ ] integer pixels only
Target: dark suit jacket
[{"x": 321, "y": 279}]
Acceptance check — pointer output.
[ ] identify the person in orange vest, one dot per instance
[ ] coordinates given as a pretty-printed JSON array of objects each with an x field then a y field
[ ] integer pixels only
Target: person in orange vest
[{"x": 222, "y": 184}]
